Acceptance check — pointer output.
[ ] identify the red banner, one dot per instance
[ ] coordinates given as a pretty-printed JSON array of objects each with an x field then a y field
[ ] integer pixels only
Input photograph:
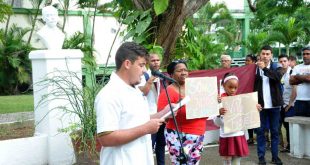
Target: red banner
[{"x": 246, "y": 75}]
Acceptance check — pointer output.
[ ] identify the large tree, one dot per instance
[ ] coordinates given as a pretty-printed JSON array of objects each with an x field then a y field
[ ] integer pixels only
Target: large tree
[{"x": 167, "y": 19}]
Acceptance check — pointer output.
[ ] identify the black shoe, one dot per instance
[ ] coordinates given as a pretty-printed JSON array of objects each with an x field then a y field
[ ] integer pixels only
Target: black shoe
[
  {"x": 285, "y": 150},
  {"x": 276, "y": 161},
  {"x": 250, "y": 141},
  {"x": 261, "y": 161}
]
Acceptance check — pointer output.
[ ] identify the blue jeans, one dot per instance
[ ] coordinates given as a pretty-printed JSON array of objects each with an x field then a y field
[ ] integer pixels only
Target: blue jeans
[
  {"x": 273, "y": 115},
  {"x": 302, "y": 108},
  {"x": 158, "y": 144}
]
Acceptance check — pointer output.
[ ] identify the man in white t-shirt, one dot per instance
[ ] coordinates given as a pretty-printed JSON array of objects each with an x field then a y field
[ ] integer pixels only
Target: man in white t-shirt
[
  {"x": 301, "y": 78},
  {"x": 124, "y": 124},
  {"x": 150, "y": 86},
  {"x": 289, "y": 96}
]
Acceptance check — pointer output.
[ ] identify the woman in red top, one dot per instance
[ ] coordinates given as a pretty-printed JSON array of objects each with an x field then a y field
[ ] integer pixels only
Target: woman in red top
[{"x": 192, "y": 130}]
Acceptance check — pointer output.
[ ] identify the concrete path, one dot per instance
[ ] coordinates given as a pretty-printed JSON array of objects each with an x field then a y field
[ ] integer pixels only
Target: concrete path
[
  {"x": 16, "y": 117},
  {"x": 210, "y": 154}
]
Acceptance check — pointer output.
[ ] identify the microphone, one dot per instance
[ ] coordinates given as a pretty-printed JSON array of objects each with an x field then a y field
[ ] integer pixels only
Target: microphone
[{"x": 162, "y": 76}]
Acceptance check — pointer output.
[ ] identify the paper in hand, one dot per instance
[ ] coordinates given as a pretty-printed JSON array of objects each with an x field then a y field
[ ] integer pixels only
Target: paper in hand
[{"x": 185, "y": 100}]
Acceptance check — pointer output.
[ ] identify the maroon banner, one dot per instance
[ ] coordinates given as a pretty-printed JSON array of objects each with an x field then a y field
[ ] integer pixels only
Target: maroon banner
[{"x": 246, "y": 75}]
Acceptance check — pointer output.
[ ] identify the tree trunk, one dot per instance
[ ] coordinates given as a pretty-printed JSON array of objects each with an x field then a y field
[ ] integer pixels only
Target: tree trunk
[
  {"x": 287, "y": 49},
  {"x": 252, "y": 6},
  {"x": 170, "y": 23},
  {"x": 8, "y": 22}
]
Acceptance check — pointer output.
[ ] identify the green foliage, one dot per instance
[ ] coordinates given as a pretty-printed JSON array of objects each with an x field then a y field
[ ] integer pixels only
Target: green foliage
[
  {"x": 87, "y": 3},
  {"x": 207, "y": 35},
  {"x": 5, "y": 10},
  {"x": 77, "y": 41},
  {"x": 256, "y": 40},
  {"x": 160, "y": 6},
  {"x": 217, "y": 21},
  {"x": 286, "y": 31},
  {"x": 267, "y": 10},
  {"x": 137, "y": 23},
  {"x": 209, "y": 15},
  {"x": 15, "y": 65},
  {"x": 200, "y": 49},
  {"x": 75, "y": 100},
  {"x": 285, "y": 21}
]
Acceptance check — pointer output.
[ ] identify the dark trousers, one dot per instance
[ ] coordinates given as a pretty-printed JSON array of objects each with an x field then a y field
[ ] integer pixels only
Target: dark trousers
[
  {"x": 158, "y": 144},
  {"x": 251, "y": 133},
  {"x": 302, "y": 108},
  {"x": 284, "y": 114},
  {"x": 273, "y": 115}
]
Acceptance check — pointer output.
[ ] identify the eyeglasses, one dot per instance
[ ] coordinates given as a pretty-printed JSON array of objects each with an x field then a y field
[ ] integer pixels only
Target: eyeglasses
[{"x": 305, "y": 54}]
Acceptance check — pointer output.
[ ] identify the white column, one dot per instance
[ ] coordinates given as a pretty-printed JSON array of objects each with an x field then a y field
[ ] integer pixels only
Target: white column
[{"x": 49, "y": 119}]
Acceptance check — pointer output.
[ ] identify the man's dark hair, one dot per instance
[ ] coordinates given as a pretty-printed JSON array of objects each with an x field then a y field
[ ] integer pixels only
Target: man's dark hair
[
  {"x": 129, "y": 51},
  {"x": 292, "y": 58},
  {"x": 282, "y": 56},
  {"x": 267, "y": 47},
  {"x": 305, "y": 48}
]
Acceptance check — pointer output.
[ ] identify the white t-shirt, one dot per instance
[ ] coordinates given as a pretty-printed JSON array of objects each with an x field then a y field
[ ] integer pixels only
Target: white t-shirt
[
  {"x": 266, "y": 89},
  {"x": 120, "y": 106},
  {"x": 287, "y": 88},
  {"x": 152, "y": 96},
  {"x": 303, "y": 89},
  {"x": 219, "y": 121}
]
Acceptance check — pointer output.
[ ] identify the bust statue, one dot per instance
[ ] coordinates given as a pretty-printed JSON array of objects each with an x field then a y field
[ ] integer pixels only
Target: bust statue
[{"x": 49, "y": 34}]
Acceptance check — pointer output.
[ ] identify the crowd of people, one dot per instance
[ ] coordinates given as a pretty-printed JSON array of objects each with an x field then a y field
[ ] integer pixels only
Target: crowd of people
[{"x": 130, "y": 109}]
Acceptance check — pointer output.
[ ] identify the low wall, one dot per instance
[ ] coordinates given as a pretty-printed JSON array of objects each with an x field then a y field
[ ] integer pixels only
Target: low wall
[
  {"x": 25, "y": 151},
  {"x": 299, "y": 136}
]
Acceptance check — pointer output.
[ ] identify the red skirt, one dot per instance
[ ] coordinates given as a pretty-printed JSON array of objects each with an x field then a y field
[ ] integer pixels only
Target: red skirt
[{"x": 234, "y": 146}]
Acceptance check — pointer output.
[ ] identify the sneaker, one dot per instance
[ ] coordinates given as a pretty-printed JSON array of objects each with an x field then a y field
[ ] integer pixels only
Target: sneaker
[
  {"x": 262, "y": 161},
  {"x": 250, "y": 141},
  {"x": 276, "y": 161}
]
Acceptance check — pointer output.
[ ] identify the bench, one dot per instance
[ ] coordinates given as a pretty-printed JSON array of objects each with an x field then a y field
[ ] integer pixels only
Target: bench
[{"x": 299, "y": 136}]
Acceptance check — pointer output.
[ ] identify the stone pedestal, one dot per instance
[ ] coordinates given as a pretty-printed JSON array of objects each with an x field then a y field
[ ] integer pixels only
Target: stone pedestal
[
  {"x": 48, "y": 117},
  {"x": 299, "y": 136}
]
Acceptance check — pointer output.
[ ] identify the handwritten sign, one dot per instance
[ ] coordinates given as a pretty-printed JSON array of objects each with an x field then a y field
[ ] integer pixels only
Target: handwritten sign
[
  {"x": 203, "y": 94},
  {"x": 241, "y": 113}
]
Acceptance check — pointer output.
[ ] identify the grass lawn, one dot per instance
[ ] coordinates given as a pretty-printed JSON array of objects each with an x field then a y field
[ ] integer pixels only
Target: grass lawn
[{"x": 18, "y": 103}]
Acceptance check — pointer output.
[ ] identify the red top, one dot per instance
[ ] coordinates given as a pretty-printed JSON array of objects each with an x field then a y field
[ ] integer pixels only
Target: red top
[
  {"x": 225, "y": 94},
  {"x": 189, "y": 126}
]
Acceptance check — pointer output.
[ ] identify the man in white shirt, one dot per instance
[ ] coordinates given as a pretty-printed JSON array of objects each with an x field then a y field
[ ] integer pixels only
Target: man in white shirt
[
  {"x": 289, "y": 96},
  {"x": 301, "y": 78},
  {"x": 267, "y": 84},
  {"x": 150, "y": 86},
  {"x": 124, "y": 124}
]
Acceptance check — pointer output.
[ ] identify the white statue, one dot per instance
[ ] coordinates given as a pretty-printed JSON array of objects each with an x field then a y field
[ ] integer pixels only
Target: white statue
[{"x": 49, "y": 34}]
